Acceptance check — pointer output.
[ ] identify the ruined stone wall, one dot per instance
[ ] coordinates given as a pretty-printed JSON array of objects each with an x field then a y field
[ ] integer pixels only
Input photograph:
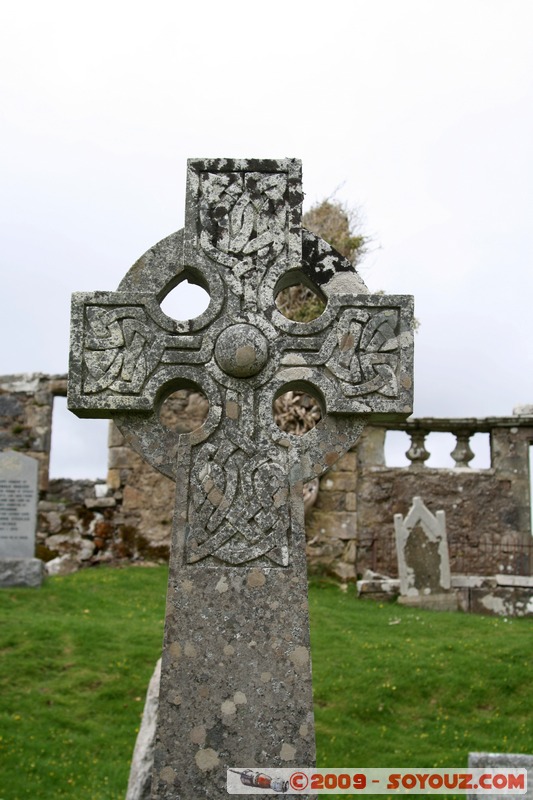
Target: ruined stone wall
[
  {"x": 349, "y": 529},
  {"x": 26, "y": 416},
  {"x": 75, "y": 519},
  {"x": 331, "y": 525},
  {"x": 83, "y": 522},
  {"x": 487, "y": 511},
  {"x": 146, "y": 496}
]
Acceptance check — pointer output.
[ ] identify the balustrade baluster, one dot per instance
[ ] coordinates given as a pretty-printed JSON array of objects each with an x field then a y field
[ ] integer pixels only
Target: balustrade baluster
[
  {"x": 417, "y": 453},
  {"x": 462, "y": 453}
]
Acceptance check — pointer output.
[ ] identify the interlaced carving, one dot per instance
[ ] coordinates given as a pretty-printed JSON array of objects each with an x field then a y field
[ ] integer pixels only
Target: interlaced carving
[
  {"x": 363, "y": 352},
  {"x": 117, "y": 350},
  {"x": 123, "y": 346},
  {"x": 240, "y": 504},
  {"x": 367, "y": 353},
  {"x": 243, "y": 218},
  {"x": 238, "y": 537}
]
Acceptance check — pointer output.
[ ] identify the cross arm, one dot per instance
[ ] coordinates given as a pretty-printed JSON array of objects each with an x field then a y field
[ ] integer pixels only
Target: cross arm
[
  {"x": 359, "y": 354},
  {"x": 123, "y": 350}
]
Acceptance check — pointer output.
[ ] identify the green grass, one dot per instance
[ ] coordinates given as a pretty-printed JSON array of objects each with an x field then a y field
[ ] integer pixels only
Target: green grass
[
  {"x": 397, "y": 687},
  {"x": 393, "y": 687},
  {"x": 75, "y": 660}
]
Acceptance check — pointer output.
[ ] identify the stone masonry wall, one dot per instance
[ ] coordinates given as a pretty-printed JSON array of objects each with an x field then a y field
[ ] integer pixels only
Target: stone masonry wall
[
  {"x": 331, "y": 525},
  {"x": 26, "y": 416},
  {"x": 487, "y": 511},
  {"x": 146, "y": 496}
]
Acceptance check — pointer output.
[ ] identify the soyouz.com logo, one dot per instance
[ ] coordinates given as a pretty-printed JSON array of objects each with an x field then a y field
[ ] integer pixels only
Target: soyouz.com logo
[{"x": 377, "y": 781}]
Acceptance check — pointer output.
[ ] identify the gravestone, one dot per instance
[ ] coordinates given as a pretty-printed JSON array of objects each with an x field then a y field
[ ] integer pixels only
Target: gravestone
[
  {"x": 423, "y": 562},
  {"x": 236, "y": 669},
  {"x": 142, "y": 762},
  {"x": 497, "y": 761},
  {"x": 18, "y": 514}
]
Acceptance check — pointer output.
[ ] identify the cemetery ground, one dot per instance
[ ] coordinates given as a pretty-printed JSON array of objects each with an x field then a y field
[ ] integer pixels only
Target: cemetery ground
[{"x": 393, "y": 687}]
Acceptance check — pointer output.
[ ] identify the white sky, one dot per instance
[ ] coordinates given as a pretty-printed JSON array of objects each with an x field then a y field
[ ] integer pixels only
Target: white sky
[{"x": 421, "y": 109}]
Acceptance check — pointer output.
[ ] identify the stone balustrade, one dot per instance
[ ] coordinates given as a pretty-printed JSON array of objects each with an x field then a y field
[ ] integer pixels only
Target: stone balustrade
[{"x": 463, "y": 429}]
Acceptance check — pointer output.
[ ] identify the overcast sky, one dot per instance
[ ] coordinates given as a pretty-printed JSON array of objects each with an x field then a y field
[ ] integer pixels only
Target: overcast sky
[{"x": 420, "y": 110}]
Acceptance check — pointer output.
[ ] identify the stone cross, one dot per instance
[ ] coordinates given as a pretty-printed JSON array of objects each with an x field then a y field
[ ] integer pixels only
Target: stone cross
[{"x": 236, "y": 674}]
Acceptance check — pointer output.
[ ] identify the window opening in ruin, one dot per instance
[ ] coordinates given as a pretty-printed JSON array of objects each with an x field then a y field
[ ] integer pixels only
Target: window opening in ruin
[
  {"x": 396, "y": 445},
  {"x": 79, "y": 446},
  {"x": 439, "y": 445},
  {"x": 185, "y": 301},
  {"x": 184, "y": 410},
  {"x": 480, "y": 446},
  {"x": 297, "y": 411}
]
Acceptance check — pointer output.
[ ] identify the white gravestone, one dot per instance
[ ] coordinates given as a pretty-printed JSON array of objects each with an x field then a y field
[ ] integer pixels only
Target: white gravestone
[
  {"x": 423, "y": 563},
  {"x": 18, "y": 515}
]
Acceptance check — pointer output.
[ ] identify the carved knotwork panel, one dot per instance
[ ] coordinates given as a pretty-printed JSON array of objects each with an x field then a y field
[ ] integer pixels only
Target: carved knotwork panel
[
  {"x": 243, "y": 218},
  {"x": 239, "y": 506}
]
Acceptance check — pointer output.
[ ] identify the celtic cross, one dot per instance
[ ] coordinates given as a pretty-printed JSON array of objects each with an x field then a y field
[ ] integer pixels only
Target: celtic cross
[{"x": 236, "y": 675}]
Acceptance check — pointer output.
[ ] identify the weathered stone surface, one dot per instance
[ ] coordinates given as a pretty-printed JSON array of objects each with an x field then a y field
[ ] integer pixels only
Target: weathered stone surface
[
  {"x": 485, "y": 509},
  {"x": 472, "y": 581},
  {"x": 482, "y": 506},
  {"x": 377, "y": 586},
  {"x": 422, "y": 550},
  {"x": 63, "y": 565},
  {"x": 369, "y": 350},
  {"x": 346, "y": 463},
  {"x": 21, "y": 572},
  {"x": 344, "y": 523},
  {"x": 120, "y": 457},
  {"x": 236, "y": 607},
  {"x": 140, "y": 780},
  {"x": 495, "y": 595},
  {"x": 502, "y": 761},
  {"x": 338, "y": 482},
  {"x": 18, "y": 511},
  {"x": 344, "y": 571},
  {"x": 523, "y": 411},
  {"x": 501, "y": 601},
  {"x": 100, "y": 502},
  {"x": 522, "y": 581},
  {"x": 444, "y": 601},
  {"x": 389, "y": 588}
]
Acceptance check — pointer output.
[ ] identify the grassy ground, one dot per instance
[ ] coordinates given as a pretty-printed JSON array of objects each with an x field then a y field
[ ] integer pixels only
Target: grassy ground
[
  {"x": 396, "y": 687},
  {"x": 75, "y": 660},
  {"x": 393, "y": 687}
]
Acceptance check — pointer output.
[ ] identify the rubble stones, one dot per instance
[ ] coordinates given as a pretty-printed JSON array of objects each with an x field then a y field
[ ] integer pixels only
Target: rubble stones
[{"x": 21, "y": 572}]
